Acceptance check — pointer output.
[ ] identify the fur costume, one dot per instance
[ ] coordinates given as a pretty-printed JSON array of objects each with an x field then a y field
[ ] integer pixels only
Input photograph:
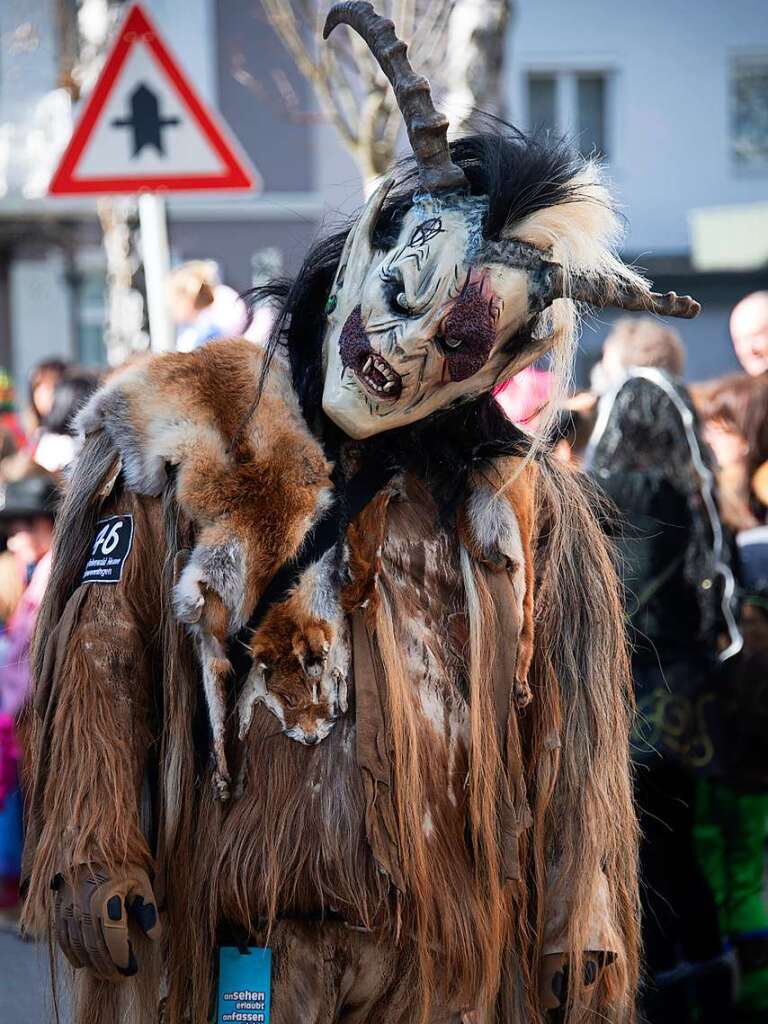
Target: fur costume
[
  {"x": 360, "y": 689},
  {"x": 387, "y": 796}
]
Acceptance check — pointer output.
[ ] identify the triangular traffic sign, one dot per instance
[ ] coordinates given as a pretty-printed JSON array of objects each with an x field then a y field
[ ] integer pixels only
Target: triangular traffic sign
[{"x": 143, "y": 128}]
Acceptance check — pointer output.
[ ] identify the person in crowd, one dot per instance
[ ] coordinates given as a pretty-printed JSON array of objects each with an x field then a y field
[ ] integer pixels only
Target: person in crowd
[
  {"x": 12, "y": 435},
  {"x": 26, "y": 521},
  {"x": 639, "y": 342},
  {"x": 732, "y": 809},
  {"x": 43, "y": 378},
  {"x": 203, "y": 308},
  {"x": 647, "y": 455},
  {"x": 734, "y": 410},
  {"x": 749, "y": 332},
  {"x": 57, "y": 443}
]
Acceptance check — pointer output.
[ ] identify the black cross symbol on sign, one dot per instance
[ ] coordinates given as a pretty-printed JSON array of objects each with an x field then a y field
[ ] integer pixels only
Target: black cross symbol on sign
[{"x": 145, "y": 120}]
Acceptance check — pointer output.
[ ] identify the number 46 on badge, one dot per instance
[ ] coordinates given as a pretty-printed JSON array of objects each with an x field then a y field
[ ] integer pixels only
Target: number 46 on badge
[{"x": 109, "y": 551}]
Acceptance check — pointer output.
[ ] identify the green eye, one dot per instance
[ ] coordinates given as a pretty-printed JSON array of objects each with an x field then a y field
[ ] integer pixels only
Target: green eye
[{"x": 330, "y": 305}]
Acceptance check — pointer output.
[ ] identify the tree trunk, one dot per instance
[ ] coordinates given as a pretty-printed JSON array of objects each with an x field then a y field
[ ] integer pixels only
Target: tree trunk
[{"x": 477, "y": 38}]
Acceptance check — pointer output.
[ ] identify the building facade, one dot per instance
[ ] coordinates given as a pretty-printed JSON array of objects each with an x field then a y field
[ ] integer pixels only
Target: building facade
[{"x": 674, "y": 96}]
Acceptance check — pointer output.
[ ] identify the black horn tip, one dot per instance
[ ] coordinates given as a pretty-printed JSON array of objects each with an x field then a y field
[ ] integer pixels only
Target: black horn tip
[{"x": 340, "y": 13}]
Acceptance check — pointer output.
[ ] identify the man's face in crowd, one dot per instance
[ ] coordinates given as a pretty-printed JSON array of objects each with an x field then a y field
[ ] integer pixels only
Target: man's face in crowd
[{"x": 749, "y": 331}]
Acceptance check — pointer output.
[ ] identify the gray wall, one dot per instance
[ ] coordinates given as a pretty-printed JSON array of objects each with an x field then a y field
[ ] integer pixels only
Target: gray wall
[
  {"x": 279, "y": 145},
  {"x": 668, "y": 126},
  {"x": 233, "y": 245},
  {"x": 669, "y": 108}
]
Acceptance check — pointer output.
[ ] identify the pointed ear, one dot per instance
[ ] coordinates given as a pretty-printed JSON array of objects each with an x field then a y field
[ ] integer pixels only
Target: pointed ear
[{"x": 358, "y": 249}]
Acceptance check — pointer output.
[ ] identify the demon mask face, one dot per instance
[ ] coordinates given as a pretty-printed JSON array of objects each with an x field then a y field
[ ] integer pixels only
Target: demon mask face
[
  {"x": 444, "y": 313},
  {"x": 422, "y": 325}
]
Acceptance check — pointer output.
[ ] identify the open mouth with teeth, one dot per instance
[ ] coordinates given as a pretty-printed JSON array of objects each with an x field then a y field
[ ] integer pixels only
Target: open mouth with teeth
[
  {"x": 378, "y": 377},
  {"x": 371, "y": 370}
]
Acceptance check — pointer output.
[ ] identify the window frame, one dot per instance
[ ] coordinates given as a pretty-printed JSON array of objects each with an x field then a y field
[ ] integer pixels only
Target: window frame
[
  {"x": 566, "y": 74},
  {"x": 735, "y": 61}
]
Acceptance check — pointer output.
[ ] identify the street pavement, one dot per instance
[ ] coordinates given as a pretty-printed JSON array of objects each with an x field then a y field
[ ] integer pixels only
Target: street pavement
[{"x": 24, "y": 983}]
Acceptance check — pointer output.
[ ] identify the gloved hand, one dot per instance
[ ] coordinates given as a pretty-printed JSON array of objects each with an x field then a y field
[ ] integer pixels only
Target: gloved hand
[
  {"x": 91, "y": 918},
  {"x": 553, "y": 976}
]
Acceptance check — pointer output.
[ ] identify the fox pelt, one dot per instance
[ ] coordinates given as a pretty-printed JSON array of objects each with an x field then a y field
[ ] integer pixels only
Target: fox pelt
[{"x": 252, "y": 481}]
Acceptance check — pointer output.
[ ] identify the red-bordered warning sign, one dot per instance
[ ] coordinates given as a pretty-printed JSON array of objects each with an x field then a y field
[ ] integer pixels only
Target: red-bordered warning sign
[{"x": 144, "y": 128}]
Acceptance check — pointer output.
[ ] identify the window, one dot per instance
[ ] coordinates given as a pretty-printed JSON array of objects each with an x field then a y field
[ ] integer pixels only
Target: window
[
  {"x": 749, "y": 113},
  {"x": 542, "y": 102},
  {"x": 574, "y": 104},
  {"x": 88, "y": 295},
  {"x": 590, "y": 98}
]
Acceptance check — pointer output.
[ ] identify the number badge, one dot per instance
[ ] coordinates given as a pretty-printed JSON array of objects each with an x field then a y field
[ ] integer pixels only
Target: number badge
[{"x": 111, "y": 547}]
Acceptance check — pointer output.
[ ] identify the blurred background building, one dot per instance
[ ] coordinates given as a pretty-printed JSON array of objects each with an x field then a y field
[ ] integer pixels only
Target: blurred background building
[{"x": 674, "y": 97}]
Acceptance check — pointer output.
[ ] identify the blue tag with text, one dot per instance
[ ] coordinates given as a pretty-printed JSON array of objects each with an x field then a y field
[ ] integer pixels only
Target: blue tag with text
[{"x": 245, "y": 977}]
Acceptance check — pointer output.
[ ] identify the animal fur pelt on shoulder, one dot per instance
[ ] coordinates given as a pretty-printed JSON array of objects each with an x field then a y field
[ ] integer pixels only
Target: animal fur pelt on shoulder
[{"x": 249, "y": 477}]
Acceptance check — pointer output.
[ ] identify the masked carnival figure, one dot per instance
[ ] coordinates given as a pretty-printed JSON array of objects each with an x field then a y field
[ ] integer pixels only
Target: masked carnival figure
[{"x": 332, "y": 658}]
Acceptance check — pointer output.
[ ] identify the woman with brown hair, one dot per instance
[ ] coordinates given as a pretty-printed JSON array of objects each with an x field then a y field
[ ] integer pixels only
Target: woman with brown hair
[{"x": 734, "y": 412}]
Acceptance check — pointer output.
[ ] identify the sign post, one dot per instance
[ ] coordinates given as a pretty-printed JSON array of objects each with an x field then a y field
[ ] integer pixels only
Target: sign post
[
  {"x": 157, "y": 264},
  {"x": 144, "y": 131}
]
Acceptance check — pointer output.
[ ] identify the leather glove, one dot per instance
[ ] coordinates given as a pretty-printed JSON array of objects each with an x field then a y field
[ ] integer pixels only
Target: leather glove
[
  {"x": 553, "y": 976},
  {"x": 91, "y": 918}
]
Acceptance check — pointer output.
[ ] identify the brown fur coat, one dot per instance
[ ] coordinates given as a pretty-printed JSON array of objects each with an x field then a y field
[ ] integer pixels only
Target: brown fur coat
[{"x": 457, "y": 805}]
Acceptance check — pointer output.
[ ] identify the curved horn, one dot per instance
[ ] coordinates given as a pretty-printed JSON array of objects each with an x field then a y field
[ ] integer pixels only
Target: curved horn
[
  {"x": 427, "y": 128},
  {"x": 547, "y": 282},
  {"x": 602, "y": 292}
]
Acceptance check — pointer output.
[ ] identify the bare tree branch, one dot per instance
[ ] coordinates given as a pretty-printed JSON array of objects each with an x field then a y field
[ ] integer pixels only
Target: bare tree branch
[{"x": 353, "y": 92}]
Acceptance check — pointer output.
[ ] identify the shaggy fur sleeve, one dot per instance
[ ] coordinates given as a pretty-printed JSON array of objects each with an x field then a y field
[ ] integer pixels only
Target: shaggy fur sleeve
[
  {"x": 585, "y": 831},
  {"x": 93, "y": 720}
]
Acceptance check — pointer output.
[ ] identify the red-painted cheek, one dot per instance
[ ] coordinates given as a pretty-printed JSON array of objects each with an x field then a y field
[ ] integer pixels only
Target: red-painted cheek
[
  {"x": 353, "y": 341},
  {"x": 471, "y": 323}
]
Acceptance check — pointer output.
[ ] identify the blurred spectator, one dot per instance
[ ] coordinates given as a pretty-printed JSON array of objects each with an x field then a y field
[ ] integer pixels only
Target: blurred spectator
[
  {"x": 749, "y": 332},
  {"x": 12, "y": 436},
  {"x": 203, "y": 307},
  {"x": 732, "y": 809},
  {"x": 647, "y": 456},
  {"x": 57, "y": 442},
  {"x": 573, "y": 428},
  {"x": 26, "y": 520},
  {"x": 42, "y": 380},
  {"x": 638, "y": 342},
  {"x": 12, "y": 584},
  {"x": 734, "y": 410}
]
